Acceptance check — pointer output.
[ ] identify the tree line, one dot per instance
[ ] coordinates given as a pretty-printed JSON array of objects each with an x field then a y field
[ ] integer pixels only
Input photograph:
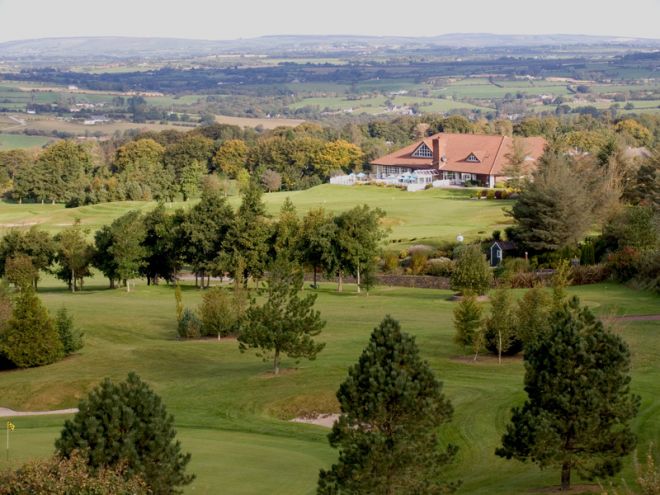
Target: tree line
[
  {"x": 209, "y": 238},
  {"x": 171, "y": 165}
]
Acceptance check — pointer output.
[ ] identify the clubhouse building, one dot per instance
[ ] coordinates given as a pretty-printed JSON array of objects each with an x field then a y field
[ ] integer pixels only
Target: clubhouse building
[{"x": 454, "y": 159}]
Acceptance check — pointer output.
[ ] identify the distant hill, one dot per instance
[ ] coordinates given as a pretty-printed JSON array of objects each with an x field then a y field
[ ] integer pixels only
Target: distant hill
[{"x": 126, "y": 47}]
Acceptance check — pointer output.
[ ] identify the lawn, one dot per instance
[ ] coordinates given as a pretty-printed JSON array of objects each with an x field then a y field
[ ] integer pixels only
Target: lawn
[
  {"x": 425, "y": 216},
  {"x": 231, "y": 413}
]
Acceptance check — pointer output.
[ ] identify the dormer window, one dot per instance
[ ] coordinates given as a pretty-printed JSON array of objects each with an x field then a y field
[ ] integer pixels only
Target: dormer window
[
  {"x": 423, "y": 151},
  {"x": 472, "y": 158}
]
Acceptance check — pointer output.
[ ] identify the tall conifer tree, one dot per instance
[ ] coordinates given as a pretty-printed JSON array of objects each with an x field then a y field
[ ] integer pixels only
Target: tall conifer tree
[
  {"x": 387, "y": 434},
  {"x": 579, "y": 405}
]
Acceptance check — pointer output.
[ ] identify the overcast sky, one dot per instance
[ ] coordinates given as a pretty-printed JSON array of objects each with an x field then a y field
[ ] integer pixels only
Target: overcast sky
[{"x": 222, "y": 19}]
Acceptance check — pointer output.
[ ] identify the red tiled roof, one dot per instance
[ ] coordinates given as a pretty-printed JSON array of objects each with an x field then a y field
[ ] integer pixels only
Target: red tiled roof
[{"x": 490, "y": 150}]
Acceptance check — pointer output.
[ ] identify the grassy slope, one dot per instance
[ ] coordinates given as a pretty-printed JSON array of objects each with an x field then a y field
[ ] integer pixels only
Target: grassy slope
[
  {"x": 230, "y": 411},
  {"x": 424, "y": 216}
]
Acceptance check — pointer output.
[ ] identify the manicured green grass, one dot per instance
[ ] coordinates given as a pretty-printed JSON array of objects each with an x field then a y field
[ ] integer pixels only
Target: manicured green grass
[
  {"x": 424, "y": 216},
  {"x": 231, "y": 413},
  {"x": 14, "y": 141}
]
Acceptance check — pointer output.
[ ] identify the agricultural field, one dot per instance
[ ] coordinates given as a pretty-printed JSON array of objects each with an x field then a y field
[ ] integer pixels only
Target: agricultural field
[
  {"x": 426, "y": 216},
  {"x": 49, "y": 124},
  {"x": 271, "y": 123},
  {"x": 376, "y": 105},
  {"x": 21, "y": 141},
  {"x": 234, "y": 416}
]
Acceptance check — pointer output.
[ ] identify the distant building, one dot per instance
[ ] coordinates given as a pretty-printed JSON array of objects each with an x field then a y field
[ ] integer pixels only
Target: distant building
[{"x": 458, "y": 158}]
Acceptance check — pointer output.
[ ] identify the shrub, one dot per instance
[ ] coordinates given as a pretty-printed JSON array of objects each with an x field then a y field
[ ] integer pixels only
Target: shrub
[
  {"x": 217, "y": 313},
  {"x": 189, "y": 326},
  {"x": 71, "y": 476},
  {"x": 70, "y": 337},
  {"x": 490, "y": 194},
  {"x": 589, "y": 274},
  {"x": 390, "y": 261},
  {"x": 624, "y": 264},
  {"x": 648, "y": 276},
  {"x": 440, "y": 267},
  {"x": 511, "y": 267},
  {"x": 418, "y": 262},
  {"x": 587, "y": 254},
  {"x": 127, "y": 424},
  {"x": 523, "y": 280},
  {"x": 647, "y": 475},
  {"x": 20, "y": 271}
]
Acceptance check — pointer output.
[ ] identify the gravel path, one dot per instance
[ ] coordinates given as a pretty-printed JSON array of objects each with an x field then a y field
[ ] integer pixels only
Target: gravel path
[{"x": 10, "y": 413}]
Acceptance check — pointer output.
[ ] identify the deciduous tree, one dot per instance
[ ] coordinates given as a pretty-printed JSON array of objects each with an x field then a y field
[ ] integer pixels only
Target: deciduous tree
[
  {"x": 231, "y": 157},
  {"x": 500, "y": 327},
  {"x": 471, "y": 271},
  {"x": 128, "y": 234},
  {"x": 467, "y": 321},
  {"x": 74, "y": 255}
]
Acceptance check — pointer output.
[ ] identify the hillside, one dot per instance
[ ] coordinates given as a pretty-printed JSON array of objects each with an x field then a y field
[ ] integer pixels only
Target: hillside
[{"x": 126, "y": 47}]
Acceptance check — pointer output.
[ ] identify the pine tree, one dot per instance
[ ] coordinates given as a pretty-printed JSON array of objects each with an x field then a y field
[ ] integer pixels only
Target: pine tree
[
  {"x": 471, "y": 273},
  {"x": 467, "y": 321},
  {"x": 127, "y": 423},
  {"x": 555, "y": 208},
  {"x": 286, "y": 322},
  {"x": 579, "y": 405},
  {"x": 70, "y": 336},
  {"x": 30, "y": 338},
  {"x": 286, "y": 235},
  {"x": 387, "y": 434}
]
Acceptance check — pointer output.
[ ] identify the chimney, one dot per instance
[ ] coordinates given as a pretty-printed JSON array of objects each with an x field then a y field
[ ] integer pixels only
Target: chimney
[{"x": 436, "y": 152}]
